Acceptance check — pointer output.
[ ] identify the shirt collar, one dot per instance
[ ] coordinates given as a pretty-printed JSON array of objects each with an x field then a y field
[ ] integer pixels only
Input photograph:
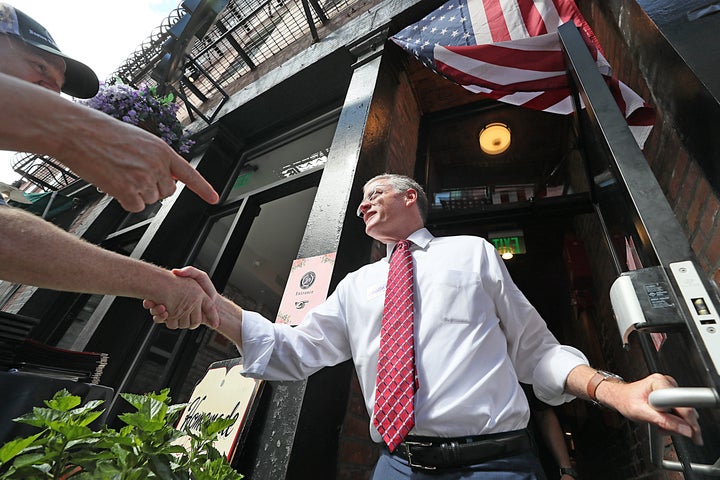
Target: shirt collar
[{"x": 420, "y": 238}]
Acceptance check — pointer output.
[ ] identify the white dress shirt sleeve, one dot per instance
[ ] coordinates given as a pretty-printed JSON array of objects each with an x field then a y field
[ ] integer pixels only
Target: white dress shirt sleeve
[
  {"x": 282, "y": 352},
  {"x": 537, "y": 356}
]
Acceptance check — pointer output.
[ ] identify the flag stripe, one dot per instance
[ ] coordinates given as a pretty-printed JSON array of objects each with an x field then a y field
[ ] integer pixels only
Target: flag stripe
[
  {"x": 499, "y": 30},
  {"x": 496, "y": 76},
  {"x": 531, "y": 61},
  {"x": 533, "y": 19}
]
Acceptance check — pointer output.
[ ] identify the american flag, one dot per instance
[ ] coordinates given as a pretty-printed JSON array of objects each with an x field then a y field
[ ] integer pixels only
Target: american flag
[{"x": 509, "y": 50}]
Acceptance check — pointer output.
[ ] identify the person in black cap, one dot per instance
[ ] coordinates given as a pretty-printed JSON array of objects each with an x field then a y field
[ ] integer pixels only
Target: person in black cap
[
  {"x": 80, "y": 80},
  {"x": 134, "y": 166}
]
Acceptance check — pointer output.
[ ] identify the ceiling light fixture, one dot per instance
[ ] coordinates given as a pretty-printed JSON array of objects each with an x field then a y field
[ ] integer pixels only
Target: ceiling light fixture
[{"x": 494, "y": 138}]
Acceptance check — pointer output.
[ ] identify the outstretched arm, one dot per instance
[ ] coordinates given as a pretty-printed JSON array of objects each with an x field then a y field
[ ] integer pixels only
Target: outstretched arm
[
  {"x": 631, "y": 401},
  {"x": 126, "y": 162},
  {"x": 36, "y": 252}
]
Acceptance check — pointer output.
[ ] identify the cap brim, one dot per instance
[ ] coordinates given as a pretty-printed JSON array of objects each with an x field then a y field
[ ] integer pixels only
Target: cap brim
[{"x": 80, "y": 80}]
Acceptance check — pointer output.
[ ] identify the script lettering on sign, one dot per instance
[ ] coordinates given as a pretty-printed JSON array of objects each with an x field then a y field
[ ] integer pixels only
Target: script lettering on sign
[{"x": 223, "y": 392}]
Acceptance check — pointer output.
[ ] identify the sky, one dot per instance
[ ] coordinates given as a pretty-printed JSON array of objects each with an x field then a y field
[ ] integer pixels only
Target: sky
[{"x": 100, "y": 33}]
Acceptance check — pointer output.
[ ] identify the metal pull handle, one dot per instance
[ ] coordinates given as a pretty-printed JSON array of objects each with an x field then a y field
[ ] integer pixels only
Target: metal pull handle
[{"x": 694, "y": 397}]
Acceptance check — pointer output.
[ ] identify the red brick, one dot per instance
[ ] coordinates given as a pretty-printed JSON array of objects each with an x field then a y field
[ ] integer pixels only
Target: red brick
[
  {"x": 356, "y": 406},
  {"x": 700, "y": 196},
  {"x": 650, "y": 148},
  {"x": 704, "y": 265},
  {"x": 668, "y": 151},
  {"x": 356, "y": 427},
  {"x": 709, "y": 214},
  {"x": 698, "y": 244},
  {"x": 358, "y": 453},
  {"x": 712, "y": 251},
  {"x": 678, "y": 175},
  {"x": 687, "y": 192}
]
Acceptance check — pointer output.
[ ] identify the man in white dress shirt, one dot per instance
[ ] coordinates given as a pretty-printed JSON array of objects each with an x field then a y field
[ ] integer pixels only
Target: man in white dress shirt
[{"x": 476, "y": 336}]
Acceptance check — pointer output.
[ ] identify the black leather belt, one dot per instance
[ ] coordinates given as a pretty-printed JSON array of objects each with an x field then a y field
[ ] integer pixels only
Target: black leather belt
[{"x": 432, "y": 453}]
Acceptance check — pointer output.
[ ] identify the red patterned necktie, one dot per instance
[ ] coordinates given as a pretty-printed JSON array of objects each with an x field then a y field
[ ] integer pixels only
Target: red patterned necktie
[{"x": 395, "y": 391}]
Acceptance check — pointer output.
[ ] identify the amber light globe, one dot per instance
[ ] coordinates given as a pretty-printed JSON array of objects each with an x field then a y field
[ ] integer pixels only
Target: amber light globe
[{"x": 495, "y": 138}]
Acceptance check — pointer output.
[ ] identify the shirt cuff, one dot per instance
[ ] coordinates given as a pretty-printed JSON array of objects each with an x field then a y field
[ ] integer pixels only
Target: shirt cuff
[
  {"x": 552, "y": 371},
  {"x": 258, "y": 341}
]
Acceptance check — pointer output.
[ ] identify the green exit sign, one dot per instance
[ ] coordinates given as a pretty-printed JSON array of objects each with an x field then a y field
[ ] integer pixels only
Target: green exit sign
[{"x": 508, "y": 242}]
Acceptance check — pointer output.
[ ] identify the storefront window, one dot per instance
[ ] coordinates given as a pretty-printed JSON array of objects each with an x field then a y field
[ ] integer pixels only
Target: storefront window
[{"x": 275, "y": 163}]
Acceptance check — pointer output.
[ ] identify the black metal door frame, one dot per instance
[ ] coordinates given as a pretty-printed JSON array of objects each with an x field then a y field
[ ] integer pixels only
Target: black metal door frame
[{"x": 649, "y": 220}]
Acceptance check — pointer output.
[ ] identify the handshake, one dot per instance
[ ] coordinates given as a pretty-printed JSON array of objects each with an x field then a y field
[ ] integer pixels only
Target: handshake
[{"x": 195, "y": 301}]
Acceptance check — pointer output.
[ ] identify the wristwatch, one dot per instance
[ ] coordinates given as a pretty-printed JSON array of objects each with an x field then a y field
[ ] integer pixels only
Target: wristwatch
[
  {"x": 568, "y": 471},
  {"x": 599, "y": 377}
]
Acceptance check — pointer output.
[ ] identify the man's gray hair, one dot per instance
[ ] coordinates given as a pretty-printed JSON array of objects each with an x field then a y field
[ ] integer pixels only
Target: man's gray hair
[{"x": 403, "y": 183}]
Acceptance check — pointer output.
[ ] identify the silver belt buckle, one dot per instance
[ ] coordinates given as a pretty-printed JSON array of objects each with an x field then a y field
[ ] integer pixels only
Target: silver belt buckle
[{"x": 408, "y": 445}]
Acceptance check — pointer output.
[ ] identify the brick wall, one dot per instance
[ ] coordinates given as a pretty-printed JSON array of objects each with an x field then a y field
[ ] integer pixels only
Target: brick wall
[{"x": 687, "y": 189}]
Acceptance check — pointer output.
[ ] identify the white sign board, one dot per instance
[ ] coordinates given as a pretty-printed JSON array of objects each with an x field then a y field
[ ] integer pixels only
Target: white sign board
[{"x": 222, "y": 392}]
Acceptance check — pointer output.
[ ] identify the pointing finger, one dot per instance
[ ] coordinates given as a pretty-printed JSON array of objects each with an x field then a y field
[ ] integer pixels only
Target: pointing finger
[{"x": 184, "y": 172}]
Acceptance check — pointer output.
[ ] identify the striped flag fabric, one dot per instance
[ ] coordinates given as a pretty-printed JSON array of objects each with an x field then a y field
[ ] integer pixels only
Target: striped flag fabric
[{"x": 509, "y": 50}]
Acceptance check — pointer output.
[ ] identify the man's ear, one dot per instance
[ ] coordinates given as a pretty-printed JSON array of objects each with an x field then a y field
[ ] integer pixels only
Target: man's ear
[{"x": 411, "y": 196}]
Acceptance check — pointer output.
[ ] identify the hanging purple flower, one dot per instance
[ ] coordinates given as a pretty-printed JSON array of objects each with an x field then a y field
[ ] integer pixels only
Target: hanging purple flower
[{"x": 144, "y": 108}]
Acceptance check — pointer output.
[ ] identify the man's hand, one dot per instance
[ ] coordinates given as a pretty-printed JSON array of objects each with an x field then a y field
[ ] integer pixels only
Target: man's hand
[
  {"x": 179, "y": 315},
  {"x": 126, "y": 162},
  {"x": 184, "y": 304},
  {"x": 130, "y": 164},
  {"x": 631, "y": 400}
]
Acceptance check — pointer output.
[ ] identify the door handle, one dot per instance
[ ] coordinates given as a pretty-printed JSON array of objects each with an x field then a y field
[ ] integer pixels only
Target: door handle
[{"x": 668, "y": 398}]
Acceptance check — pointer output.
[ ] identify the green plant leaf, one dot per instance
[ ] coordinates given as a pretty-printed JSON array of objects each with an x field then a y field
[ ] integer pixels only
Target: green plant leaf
[
  {"x": 63, "y": 401},
  {"x": 42, "y": 417},
  {"x": 74, "y": 432},
  {"x": 14, "y": 447},
  {"x": 31, "y": 459},
  {"x": 141, "y": 421},
  {"x": 217, "y": 426}
]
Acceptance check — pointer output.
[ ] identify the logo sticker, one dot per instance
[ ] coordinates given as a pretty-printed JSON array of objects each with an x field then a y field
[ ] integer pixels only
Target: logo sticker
[{"x": 307, "y": 280}]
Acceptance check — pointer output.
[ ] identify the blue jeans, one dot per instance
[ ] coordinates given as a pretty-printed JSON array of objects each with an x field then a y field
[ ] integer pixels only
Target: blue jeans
[{"x": 525, "y": 466}]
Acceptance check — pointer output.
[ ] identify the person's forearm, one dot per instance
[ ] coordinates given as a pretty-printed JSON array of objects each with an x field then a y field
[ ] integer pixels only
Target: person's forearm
[
  {"x": 36, "y": 252},
  {"x": 33, "y": 119},
  {"x": 632, "y": 400},
  {"x": 577, "y": 380},
  {"x": 552, "y": 433},
  {"x": 230, "y": 319}
]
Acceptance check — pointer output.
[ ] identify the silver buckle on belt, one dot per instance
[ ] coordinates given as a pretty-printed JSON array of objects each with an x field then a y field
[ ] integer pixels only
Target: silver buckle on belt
[{"x": 408, "y": 445}]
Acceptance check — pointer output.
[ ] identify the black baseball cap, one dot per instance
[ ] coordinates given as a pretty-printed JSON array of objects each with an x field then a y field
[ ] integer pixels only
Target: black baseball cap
[{"x": 80, "y": 80}]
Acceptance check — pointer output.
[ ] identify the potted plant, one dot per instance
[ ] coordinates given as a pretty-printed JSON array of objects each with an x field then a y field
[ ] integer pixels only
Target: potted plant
[
  {"x": 144, "y": 108},
  {"x": 148, "y": 446}
]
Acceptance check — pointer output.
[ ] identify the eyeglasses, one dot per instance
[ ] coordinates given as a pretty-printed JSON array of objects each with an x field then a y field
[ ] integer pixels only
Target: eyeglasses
[{"x": 370, "y": 197}]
